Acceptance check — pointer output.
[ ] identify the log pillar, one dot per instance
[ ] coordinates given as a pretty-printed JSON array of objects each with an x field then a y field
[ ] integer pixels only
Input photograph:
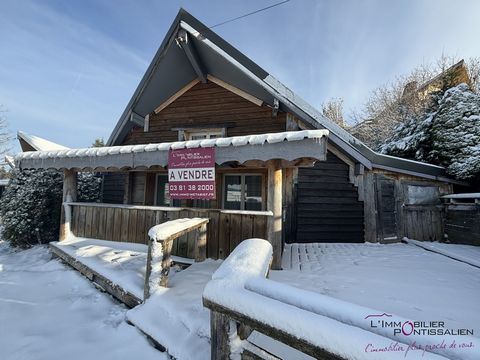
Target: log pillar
[
  {"x": 69, "y": 195},
  {"x": 274, "y": 204}
]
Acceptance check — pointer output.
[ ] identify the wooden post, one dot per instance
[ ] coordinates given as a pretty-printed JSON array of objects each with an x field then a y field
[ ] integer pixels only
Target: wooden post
[
  {"x": 219, "y": 336},
  {"x": 274, "y": 204},
  {"x": 201, "y": 243},
  {"x": 69, "y": 195}
]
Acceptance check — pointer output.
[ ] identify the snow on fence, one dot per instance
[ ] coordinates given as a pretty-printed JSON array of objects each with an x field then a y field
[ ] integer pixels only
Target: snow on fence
[
  {"x": 242, "y": 300},
  {"x": 462, "y": 218}
]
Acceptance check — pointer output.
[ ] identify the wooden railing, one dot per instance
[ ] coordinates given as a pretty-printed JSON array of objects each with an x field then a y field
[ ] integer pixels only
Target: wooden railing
[
  {"x": 462, "y": 218},
  {"x": 130, "y": 223},
  {"x": 235, "y": 310},
  {"x": 160, "y": 247}
]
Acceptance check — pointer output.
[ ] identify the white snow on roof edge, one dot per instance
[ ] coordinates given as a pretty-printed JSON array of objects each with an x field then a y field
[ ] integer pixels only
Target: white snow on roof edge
[
  {"x": 39, "y": 143},
  {"x": 260, "y": 139}
]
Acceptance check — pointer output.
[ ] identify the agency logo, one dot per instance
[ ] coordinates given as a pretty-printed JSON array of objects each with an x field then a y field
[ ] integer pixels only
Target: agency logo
[{"x": 409, "y": 327}]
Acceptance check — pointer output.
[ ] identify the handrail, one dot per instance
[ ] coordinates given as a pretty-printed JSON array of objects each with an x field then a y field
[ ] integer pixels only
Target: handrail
[
  {"x": 170, "y": 209},
  {"x": 160, "y": 247}
]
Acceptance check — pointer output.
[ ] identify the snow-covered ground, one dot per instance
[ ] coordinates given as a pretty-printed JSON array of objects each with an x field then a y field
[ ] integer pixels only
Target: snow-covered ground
[
  {"x": 64, "y": 314},
  {"x": 402, "y": 279},
  {"x": 49, "y": 311}
]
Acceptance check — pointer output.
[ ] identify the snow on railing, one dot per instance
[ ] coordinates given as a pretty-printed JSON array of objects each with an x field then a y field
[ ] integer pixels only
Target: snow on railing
[
  {"x": 318, "y": 325},
  {"x": 160, "y": 247}
]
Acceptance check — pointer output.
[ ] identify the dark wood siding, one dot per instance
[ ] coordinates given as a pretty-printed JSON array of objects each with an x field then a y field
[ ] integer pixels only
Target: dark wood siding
[
  {"x": 327, "y": 206},
  {"x": 462, "y": 224},
  {"x": 205, "y": 105},
  {"x": 113, "y": 188}
]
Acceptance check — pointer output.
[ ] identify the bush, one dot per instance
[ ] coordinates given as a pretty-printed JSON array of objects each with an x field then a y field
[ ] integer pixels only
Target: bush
[{"x": 30, "y": 206}]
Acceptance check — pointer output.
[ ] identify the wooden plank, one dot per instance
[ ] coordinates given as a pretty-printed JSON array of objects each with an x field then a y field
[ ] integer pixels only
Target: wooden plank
[
  {"x": 132, "y": 225},
  {"x": 117, "y": 227},
  {"x": 109, "y": 223},
  {"x": 88, "y": 221},
  {"x": 246, "y": 231},
  {"x": 213, "y": 235},
  {"x": 260, "y": 227},
  {"x": 223, "y": 236},
  {"x": 124, "y": 232},
  {"x": 141, "y": 233},
  {"x": 94, "y": 228},
  {"x": 101, "y": 231},
  {"x": 235, "y": 231}
]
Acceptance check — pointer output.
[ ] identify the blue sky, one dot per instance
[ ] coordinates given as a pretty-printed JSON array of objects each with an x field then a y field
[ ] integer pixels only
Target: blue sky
[{"x": 68, "y": 68}]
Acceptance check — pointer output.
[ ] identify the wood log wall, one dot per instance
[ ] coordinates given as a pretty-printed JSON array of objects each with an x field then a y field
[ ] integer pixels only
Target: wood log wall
[
  {"x": 327, "y": 204},
  {"x": 225, "y": 230}
]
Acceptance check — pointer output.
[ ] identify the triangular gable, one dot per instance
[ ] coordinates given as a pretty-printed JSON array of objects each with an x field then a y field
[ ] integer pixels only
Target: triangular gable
[{"x": 191, "y": 51}]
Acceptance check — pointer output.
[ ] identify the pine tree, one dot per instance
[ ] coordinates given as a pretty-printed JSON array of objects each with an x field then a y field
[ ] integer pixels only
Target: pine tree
[{"x": 448, "y": 135}]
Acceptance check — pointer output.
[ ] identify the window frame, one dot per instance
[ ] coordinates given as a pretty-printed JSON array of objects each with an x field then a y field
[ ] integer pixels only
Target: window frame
[
  {"x": 219, "y": 132},
  {"x": 156, "y": 189},
  {"x": 242, "y": 189}
]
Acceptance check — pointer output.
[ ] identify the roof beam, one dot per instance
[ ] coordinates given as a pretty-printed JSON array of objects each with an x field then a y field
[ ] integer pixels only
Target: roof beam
[
  {"x": 176, "y": 95},
  {"x": 235, "y": 90},
  {"x": 188, "y": 47}
]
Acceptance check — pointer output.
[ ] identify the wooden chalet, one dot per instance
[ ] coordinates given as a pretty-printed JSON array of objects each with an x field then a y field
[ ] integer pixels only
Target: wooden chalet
[{"x": 283, "y": 171}]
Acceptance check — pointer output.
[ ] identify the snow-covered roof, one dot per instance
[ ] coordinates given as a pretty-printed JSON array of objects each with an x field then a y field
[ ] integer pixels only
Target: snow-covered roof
[
  {"x": 38, "y": 143},
  {"x": 171, "y": 69},
  {"x": 289, "y": 145}
]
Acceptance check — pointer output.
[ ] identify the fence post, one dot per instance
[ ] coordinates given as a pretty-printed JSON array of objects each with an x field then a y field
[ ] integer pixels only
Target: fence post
[
  {"x": 220, "y": 336},
  {"x": 69, "y": 195}
]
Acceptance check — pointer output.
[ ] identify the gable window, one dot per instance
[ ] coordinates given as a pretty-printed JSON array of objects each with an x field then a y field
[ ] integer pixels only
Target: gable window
[
  {"x": 243, "y": 192},
  {"x": 200, "y": 134}
]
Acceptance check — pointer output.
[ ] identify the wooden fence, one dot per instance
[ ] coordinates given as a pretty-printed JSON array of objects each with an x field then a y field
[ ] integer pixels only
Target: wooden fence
[
  {"x": 130, "y": 223},
  {"x": 462, "y": 219},
  {"x": 423, "y": 222}
]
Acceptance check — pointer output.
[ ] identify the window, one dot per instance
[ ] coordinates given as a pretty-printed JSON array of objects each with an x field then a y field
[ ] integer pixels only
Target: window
[
  {"x": 162, "y": 197},
  {"x": 201, "y": 134},
  {"x": 243, "y": 192},
  {"x": 422, "y": 195}
]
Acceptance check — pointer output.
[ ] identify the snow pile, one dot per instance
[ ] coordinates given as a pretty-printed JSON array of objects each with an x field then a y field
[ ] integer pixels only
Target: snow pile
[
  {"x": 49, "y": 311},
  {"x": 175, "y": 316},
  {"x": 449, "y": 135},
  {"x": 169, "y": 228}
]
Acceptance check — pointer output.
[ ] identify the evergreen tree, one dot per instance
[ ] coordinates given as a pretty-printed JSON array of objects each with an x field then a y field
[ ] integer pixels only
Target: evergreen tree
[
  {"x": 448, "y": 135},
  {"x": 30, "y": 206}
]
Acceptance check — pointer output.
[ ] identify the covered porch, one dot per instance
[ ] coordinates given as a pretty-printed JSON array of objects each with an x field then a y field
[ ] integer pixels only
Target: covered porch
[{"x": 275, "y": 155}]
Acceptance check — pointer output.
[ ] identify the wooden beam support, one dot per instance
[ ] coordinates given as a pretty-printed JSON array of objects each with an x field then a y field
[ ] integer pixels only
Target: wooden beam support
[
  {"x": 220, "y": 336},
  {"x": 175, "y": 96},
  {"x": 274, "y": 204},
  {"x": 189, "y": 48},
  {"x": 235, "y": 90},
  {"x": 69, "y": 195}
]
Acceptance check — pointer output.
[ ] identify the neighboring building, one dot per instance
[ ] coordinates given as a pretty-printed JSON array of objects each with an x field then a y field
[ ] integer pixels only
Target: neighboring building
[
  {"x": 375, "y": 131},
  {"x": 199, "y": 87},
  {"x": 35, "y": 143}
]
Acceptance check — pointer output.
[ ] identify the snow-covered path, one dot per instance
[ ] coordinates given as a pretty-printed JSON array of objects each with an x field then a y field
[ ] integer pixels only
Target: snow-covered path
[{"x": 49, "y": 311}]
